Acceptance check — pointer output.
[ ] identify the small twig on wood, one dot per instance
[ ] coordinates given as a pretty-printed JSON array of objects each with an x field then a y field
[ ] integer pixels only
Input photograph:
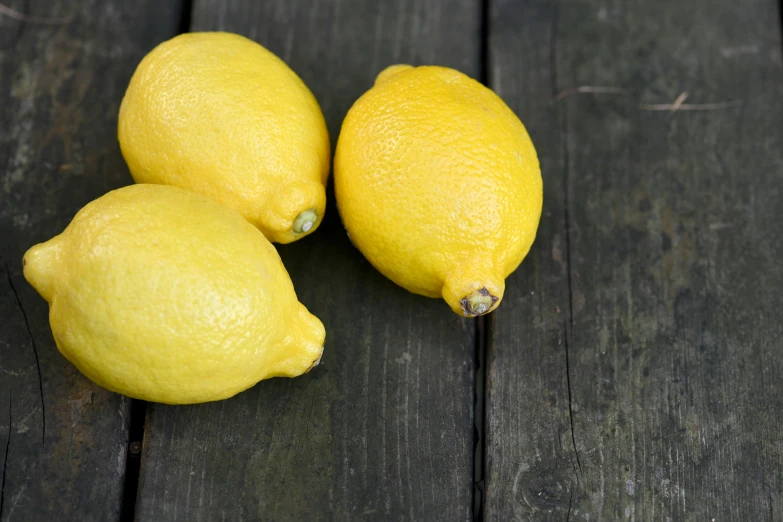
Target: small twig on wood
[
  {"x": 691, "y": 106},
  {"x": 589, "y": 89},
  {"x": 21, "y": 17},
  {"x": 678, "y": 104}
]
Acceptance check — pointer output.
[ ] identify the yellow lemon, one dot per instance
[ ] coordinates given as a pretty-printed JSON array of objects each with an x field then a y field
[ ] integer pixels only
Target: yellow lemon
[
  {"x": 165, "y": 295},
  {"x": 438, "y": 185},
  {"x": 220, "y": 115}
]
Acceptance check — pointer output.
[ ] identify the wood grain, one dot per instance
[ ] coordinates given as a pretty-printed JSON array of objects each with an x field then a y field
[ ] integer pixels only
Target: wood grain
[
  {"x": 62, "y": 439},
  {"x": 635, "y": 368},
  {"x": 383, "y": 429}
]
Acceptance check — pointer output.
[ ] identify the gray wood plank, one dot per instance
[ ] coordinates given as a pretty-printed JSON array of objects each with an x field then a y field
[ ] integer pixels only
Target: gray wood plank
[
  {"x": 383, "y": 428},
  {"x": 63, "y": 440},
  {"x": 529, "y": 455},
  {"x": 635, "y": 368}
]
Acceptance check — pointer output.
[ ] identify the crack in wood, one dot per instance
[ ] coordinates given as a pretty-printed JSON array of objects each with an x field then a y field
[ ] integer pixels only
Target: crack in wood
[
  {"x": 566, "y": 217},
  {"x": 35, "y": 351},
  {"x": 571, "y": 409},
  {"x": 5, "y": 457}
]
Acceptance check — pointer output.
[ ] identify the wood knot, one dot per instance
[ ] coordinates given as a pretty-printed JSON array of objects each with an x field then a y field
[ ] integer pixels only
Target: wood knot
[{"x": 546, "y": 489}]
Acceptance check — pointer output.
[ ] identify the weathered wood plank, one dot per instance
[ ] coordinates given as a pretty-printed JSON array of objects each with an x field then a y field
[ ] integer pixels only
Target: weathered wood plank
[
  {"x": 653, "y": 346},
  {"x": 383, "y": 429},
  {"x": 529, "y": 454},
  {"x": 62, "y": 439}
]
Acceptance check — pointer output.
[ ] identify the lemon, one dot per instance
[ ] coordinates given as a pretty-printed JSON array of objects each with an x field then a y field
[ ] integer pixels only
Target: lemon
[
  {"x": 165, "y": 295},
  {"x": 438, "y": 185},
  {"x": 218, "y": 114}
]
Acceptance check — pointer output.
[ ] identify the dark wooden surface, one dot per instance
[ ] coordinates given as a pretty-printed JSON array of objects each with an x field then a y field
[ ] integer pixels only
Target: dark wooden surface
[
  {"x": 384, "y": 428},
  {"x": 633, "y": 371},
  {"x": 63, "y": 440}
]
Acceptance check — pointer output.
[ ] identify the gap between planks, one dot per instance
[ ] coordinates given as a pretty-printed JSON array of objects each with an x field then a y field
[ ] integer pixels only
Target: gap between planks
[{"x": 483, "y": 324}]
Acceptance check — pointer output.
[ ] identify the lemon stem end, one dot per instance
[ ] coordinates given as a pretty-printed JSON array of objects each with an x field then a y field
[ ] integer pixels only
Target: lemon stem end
[
  {"x": 304, "y": 222},
  {"x": 478, "y": 303}
]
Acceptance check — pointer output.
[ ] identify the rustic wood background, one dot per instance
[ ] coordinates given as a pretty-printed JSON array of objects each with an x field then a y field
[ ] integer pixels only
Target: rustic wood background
[{"x": 633, "y": 371}]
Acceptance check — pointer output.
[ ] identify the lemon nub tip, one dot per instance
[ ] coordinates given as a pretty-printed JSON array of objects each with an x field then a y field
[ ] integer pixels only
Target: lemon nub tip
[
  {"x": 317, "y": 361},
  {"x": 478, "y": 303},
  {"x": 305, "y": 221},
  {"x": 40, "y": 265}
]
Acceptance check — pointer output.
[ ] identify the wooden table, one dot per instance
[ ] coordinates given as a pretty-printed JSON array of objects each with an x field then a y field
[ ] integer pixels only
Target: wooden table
[{"x": 633, "y": 371}]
